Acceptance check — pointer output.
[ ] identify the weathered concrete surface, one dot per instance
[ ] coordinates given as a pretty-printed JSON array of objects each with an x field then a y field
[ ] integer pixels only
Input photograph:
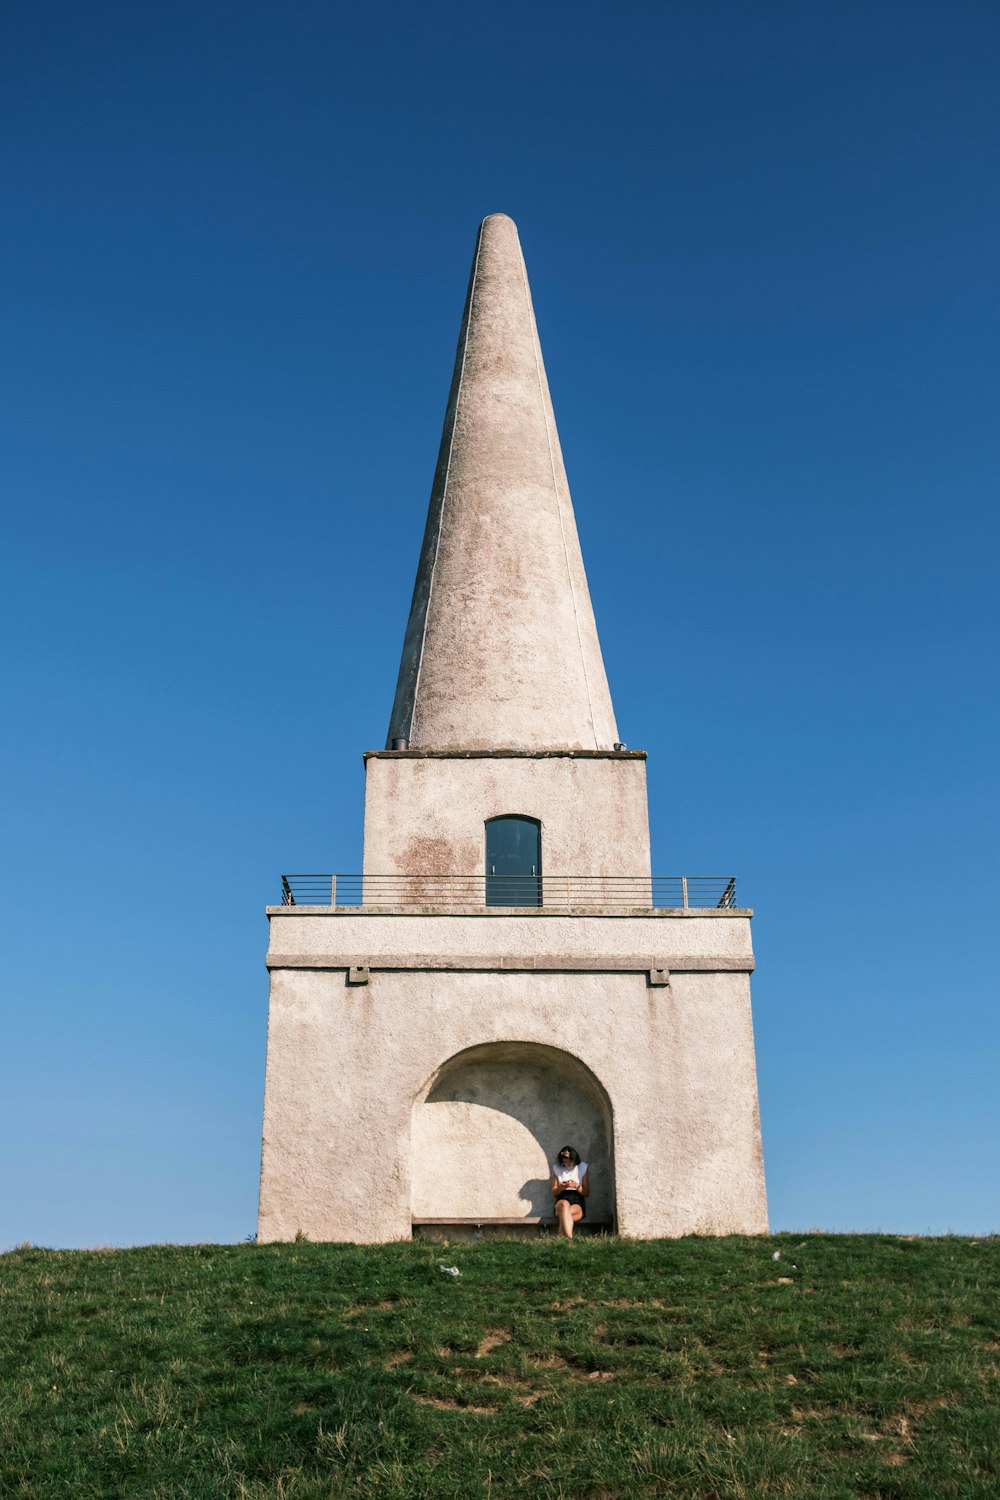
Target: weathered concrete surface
[
  {"x": 532, "y": 934},
  {"x": 428, "y": 816},
  {"x": 501, "y": 647},
  {"x": 347, "y": 1068}
]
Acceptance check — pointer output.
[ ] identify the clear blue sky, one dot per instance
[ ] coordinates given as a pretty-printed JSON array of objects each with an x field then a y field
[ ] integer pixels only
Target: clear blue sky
[{"x": 763, "y": 245}]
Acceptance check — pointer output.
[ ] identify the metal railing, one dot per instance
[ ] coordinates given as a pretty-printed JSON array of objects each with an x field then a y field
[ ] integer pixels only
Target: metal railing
[{"x": 590, "y": 892}]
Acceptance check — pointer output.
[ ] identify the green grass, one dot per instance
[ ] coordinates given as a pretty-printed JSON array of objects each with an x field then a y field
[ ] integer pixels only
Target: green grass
[{"x": 853, "y": 1365}]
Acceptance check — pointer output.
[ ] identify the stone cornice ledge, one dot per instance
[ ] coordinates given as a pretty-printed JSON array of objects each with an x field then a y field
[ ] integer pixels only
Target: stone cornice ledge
[
  {"x": 551, "y": 963},
  {"x": 533, "y": 913},
  {"x": 503, "y": 754}
]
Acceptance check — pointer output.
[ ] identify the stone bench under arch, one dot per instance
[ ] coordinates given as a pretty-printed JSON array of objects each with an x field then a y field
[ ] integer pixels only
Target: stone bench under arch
[{"x": 487, "y": 1127}]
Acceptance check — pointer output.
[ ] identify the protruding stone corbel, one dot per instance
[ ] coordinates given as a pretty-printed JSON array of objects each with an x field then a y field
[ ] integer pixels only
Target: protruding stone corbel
[
  {"x": 659, "y": 977},
  {"x": 358, "y": 974}
]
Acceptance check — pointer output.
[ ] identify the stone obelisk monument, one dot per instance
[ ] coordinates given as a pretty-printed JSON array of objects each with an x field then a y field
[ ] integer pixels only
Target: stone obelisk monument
[{"x": 506, "y": 975}]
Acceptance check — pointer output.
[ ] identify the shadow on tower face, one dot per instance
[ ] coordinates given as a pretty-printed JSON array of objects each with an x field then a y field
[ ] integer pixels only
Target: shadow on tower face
[{"x": 484, "y": 1136}]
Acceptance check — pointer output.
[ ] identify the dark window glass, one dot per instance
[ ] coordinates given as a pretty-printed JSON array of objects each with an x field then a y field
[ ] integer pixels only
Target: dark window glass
[{"x": 513, "y": 862}]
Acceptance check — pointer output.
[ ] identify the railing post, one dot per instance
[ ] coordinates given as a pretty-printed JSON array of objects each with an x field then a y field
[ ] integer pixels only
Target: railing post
[
  {"x": 684, "y": 891},
  {"x": 333, "y": 890}
]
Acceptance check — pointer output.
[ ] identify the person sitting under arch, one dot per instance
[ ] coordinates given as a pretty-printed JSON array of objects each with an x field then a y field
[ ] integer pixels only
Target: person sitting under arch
[{"x": 570, "y": 1189}]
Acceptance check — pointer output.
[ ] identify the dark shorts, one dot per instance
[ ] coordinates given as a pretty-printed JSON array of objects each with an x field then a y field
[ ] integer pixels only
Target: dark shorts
[{"x": 570, "y": 1195}]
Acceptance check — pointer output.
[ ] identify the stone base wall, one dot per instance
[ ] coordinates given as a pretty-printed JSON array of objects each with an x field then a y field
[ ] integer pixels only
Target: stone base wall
[{"x": 378, "y": 1091}]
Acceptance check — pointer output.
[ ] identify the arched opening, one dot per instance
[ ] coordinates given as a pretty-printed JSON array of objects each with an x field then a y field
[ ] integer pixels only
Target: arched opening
[
  {"x": 485, "y": 1133},
  {"x": 513, "y": 861}
]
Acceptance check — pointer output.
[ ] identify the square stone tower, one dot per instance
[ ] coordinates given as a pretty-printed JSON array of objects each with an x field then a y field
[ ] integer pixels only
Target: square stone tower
[{"x": 506, "y": 975}]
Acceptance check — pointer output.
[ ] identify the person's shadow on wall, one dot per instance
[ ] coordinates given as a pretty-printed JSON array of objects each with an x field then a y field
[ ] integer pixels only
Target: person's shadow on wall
[{"x": 537, "y": 1193}]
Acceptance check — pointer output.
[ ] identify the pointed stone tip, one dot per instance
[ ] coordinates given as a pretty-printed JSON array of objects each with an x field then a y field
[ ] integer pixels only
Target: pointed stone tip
[
  {"x": 501, "y": 648},
  {"x": 499, "y": 246}
]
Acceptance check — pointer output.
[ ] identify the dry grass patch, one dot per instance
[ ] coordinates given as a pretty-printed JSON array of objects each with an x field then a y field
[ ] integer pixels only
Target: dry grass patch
[
  {"x": 640, "y": 1302},
  {"x": 491, "y": 1340},
  {"x": 550, "y": 1362},
  {"x": 917, "y": 1409},
  {"x": 445, "y": 1403},
  {"x": 524, "y": 1393},
  {"x": 570, "y": 1370},
  {"x": 371, "y": 1307},
  {"x": 901, "y": 1424}
]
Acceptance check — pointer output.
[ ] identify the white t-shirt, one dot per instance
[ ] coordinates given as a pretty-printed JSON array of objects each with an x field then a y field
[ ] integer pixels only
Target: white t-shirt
[{"x": 569, "y": 1176}]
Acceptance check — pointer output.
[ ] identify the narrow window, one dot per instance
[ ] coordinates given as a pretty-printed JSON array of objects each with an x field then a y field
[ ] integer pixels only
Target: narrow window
[{"x": 513, "y": 862}]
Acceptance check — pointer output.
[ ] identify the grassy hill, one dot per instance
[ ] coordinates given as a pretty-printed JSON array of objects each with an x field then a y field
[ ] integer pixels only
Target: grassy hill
[{"x": 851, "y": 1365}]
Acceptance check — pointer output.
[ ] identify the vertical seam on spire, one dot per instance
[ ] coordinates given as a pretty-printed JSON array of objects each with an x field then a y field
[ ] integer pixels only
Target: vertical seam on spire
[
  {"x": 555, "y": 490},
  {"x": 444, "y": 487}
]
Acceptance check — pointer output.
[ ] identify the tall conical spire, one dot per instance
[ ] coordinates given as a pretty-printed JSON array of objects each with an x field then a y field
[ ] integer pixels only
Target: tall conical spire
[{"x": 501, "y": 649}]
